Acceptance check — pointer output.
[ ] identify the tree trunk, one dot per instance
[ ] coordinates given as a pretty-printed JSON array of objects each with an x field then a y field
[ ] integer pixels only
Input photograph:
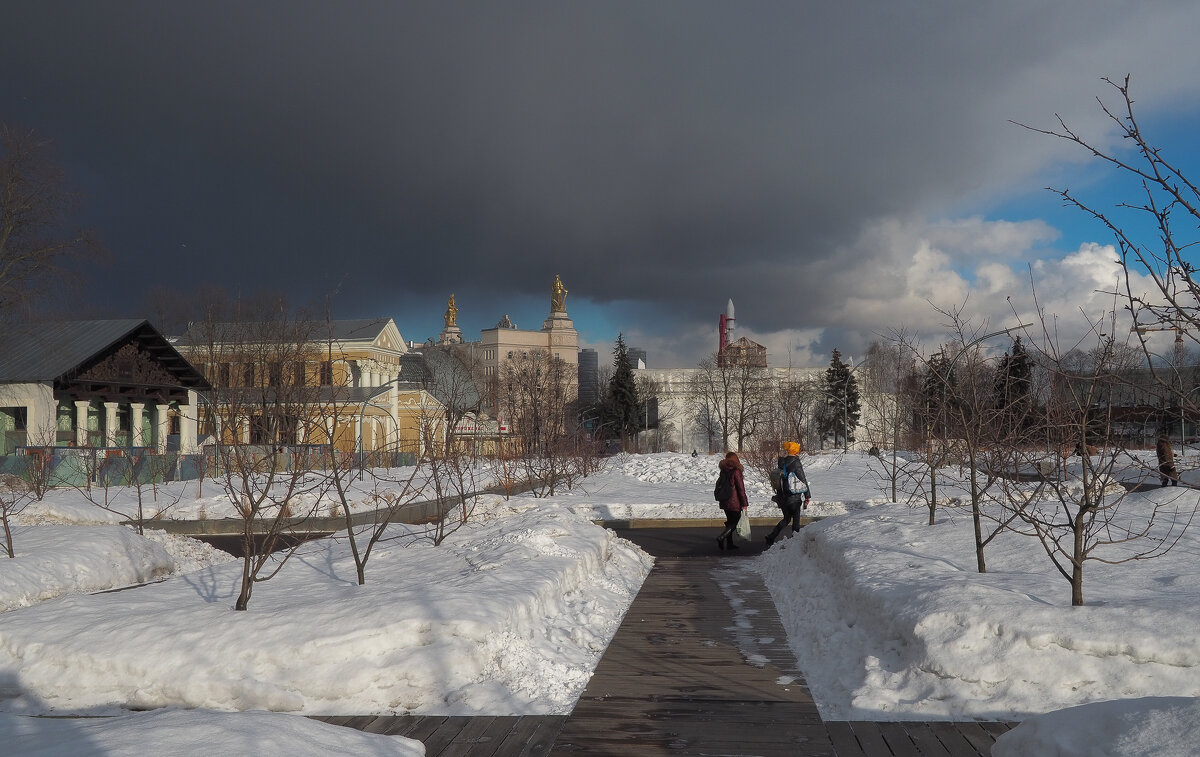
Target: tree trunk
[
  {"x": 932, "y": 494},
  {"x": 980, "y": 563},
  {"x": 1077, "y": 555},
  {"x": 8, "y": 544},
  {"x": 243, "y": 599}
]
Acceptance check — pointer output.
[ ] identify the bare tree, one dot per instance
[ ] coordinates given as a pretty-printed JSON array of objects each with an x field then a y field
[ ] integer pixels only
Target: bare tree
[
  {"x": 892, "y": 402},
  {"x": 15, "y": 495},
  {"x": 34, "y": 239},
  {"x": 978, "y": 427},
  {"x": 730, "y": 398},
  {"x": 262, "y": 403},
  {"x": 137, "y": 472},
  {"x": 1087, "y": 516},
  {"x": 1155, "y": 235},
  {"x": 537, "y": 393}
]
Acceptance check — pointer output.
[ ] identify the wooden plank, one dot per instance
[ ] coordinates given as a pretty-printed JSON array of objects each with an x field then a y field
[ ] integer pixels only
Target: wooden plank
[
  {"x": 541, "y": 737},
  {"x": 927, "y": 742},
  {"x": 474, "y": 738},
  {"x": 979, "y": 738},
  {"x": 898, "y": 741},
  {"x": 841, "y": 735},
  {"x": 392, "y": 725},
  {"x": 871, "y": 738},
  {"x": 424, "y": 727},
  {"x": 444, "y": 734},
  {"x": 489, "y": 742},
  {"x": 331, "y": 719},
  {"x": 997, "y": 728},
  {"x": 955, "y": 742}
]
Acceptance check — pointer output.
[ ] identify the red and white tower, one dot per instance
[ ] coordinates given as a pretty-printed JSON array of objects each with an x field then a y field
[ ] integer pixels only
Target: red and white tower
[{"x": 728, "y": 324}]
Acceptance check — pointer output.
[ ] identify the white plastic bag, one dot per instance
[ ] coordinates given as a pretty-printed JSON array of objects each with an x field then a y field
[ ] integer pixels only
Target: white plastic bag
[{"x": 743, "y": 526}]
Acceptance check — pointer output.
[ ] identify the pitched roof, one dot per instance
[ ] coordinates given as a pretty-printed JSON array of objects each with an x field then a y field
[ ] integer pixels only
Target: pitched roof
[
  {"x": 357, "y": 328},
  {"x": 47, "y": 351},
  {"x": 354, "y": 329}
]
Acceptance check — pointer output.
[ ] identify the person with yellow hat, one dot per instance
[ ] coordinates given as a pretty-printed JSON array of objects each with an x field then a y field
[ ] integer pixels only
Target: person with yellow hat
[{"x": 791, "y": 490}]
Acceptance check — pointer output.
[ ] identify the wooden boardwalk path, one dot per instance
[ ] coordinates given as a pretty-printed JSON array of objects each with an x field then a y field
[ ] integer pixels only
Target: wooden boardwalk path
[{"x": 699, "y": 666}]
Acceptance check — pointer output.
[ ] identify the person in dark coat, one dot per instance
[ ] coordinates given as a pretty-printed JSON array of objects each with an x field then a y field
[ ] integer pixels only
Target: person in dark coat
[
  {"x": 793, "y": 505},
  {"x": 1166, "y": 462},
  {"x": 736, "y": 504}
]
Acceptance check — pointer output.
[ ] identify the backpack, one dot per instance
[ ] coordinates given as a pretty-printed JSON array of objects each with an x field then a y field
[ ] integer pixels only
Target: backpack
[
  {"x": 793, "y": 484},
  {"x": 787, "y": 482},
  {"x": 776, "y": 476},
  {"x": 724, "y": 489}
]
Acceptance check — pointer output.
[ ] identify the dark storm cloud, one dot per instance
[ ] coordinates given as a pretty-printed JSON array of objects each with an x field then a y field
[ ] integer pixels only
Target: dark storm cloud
[{"x": 673, "y": 153}]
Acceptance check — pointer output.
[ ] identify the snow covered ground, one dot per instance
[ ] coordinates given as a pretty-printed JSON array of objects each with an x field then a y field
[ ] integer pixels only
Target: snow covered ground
[
  {"x": 205, "y": 499},
  {"x": 887, "y": 616}
]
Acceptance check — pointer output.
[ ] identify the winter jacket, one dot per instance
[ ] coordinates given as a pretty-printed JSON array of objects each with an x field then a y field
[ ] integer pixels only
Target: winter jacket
[
  {"x": 1164, "y": 452},
  {"x": 792, "y": 463},
  {"x": 738, "y": 501}
]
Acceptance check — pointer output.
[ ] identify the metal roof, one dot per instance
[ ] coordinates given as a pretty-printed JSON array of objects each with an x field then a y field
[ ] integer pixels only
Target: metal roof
[
  {"x": 354, "y": 329},
  {"x": 58, "y": 350},
  {"x": 46, "y": 351}
]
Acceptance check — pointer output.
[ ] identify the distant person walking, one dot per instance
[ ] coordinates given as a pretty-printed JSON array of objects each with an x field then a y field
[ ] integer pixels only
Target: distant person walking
[
  {"x": 791, "y": 491},
  {"x": 732, "y": 482},
  {"x": 1167, "y": 471}
]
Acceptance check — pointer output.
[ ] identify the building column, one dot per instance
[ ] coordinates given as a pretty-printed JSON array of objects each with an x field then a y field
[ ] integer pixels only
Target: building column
[
  {"x": 394, "y": 403},
  {"x": 162, "y": 416},
  {"x": 51, "y": 432},
  {"x": 110, "y": 424},
  {"x": 81, "y": 421},
  {"x": 137, "y": 436},
  {"x": 188, "y": 422},
  {"x": 358, "y": 433}
]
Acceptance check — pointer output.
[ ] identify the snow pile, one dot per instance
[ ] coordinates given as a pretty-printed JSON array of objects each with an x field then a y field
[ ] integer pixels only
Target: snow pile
[
  {"x": 195, "y": 732},
  {"x": 889, "y": 619},
  {"x": 56, "y": 560},
  {"x": 508, "y": 616},
  {"x": 1149, "y": 727}
]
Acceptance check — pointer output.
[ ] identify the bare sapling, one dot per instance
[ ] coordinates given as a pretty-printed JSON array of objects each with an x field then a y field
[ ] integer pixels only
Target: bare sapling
[{"x": 15, "y": 495}]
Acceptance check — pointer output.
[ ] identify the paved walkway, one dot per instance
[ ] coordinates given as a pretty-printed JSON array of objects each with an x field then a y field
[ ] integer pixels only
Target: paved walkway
[{"x": 699, "y": 666}]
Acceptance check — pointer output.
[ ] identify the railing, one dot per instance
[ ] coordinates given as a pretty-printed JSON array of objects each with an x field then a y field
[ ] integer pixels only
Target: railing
[{"x": 82, "y": 467}]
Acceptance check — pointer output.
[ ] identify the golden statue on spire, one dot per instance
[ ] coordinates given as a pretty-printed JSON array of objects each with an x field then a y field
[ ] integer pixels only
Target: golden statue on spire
[
  {"x": 451, "y": 313},
  {"x": 558, "y": 296}
]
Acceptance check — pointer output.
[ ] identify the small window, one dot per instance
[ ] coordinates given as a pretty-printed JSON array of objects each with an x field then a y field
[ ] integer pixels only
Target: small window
[
  {"x": 19, "y": 417},
  {"x": 326, "y": 373}
]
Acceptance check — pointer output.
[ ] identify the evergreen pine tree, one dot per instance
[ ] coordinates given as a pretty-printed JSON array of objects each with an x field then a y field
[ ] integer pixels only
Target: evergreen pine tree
[
  {"x": 1012, "y": 396},
  {"x": 938, "y": 391},
  {"x": 843, "y": 407},
  {"x": 622, "y": 408}
]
